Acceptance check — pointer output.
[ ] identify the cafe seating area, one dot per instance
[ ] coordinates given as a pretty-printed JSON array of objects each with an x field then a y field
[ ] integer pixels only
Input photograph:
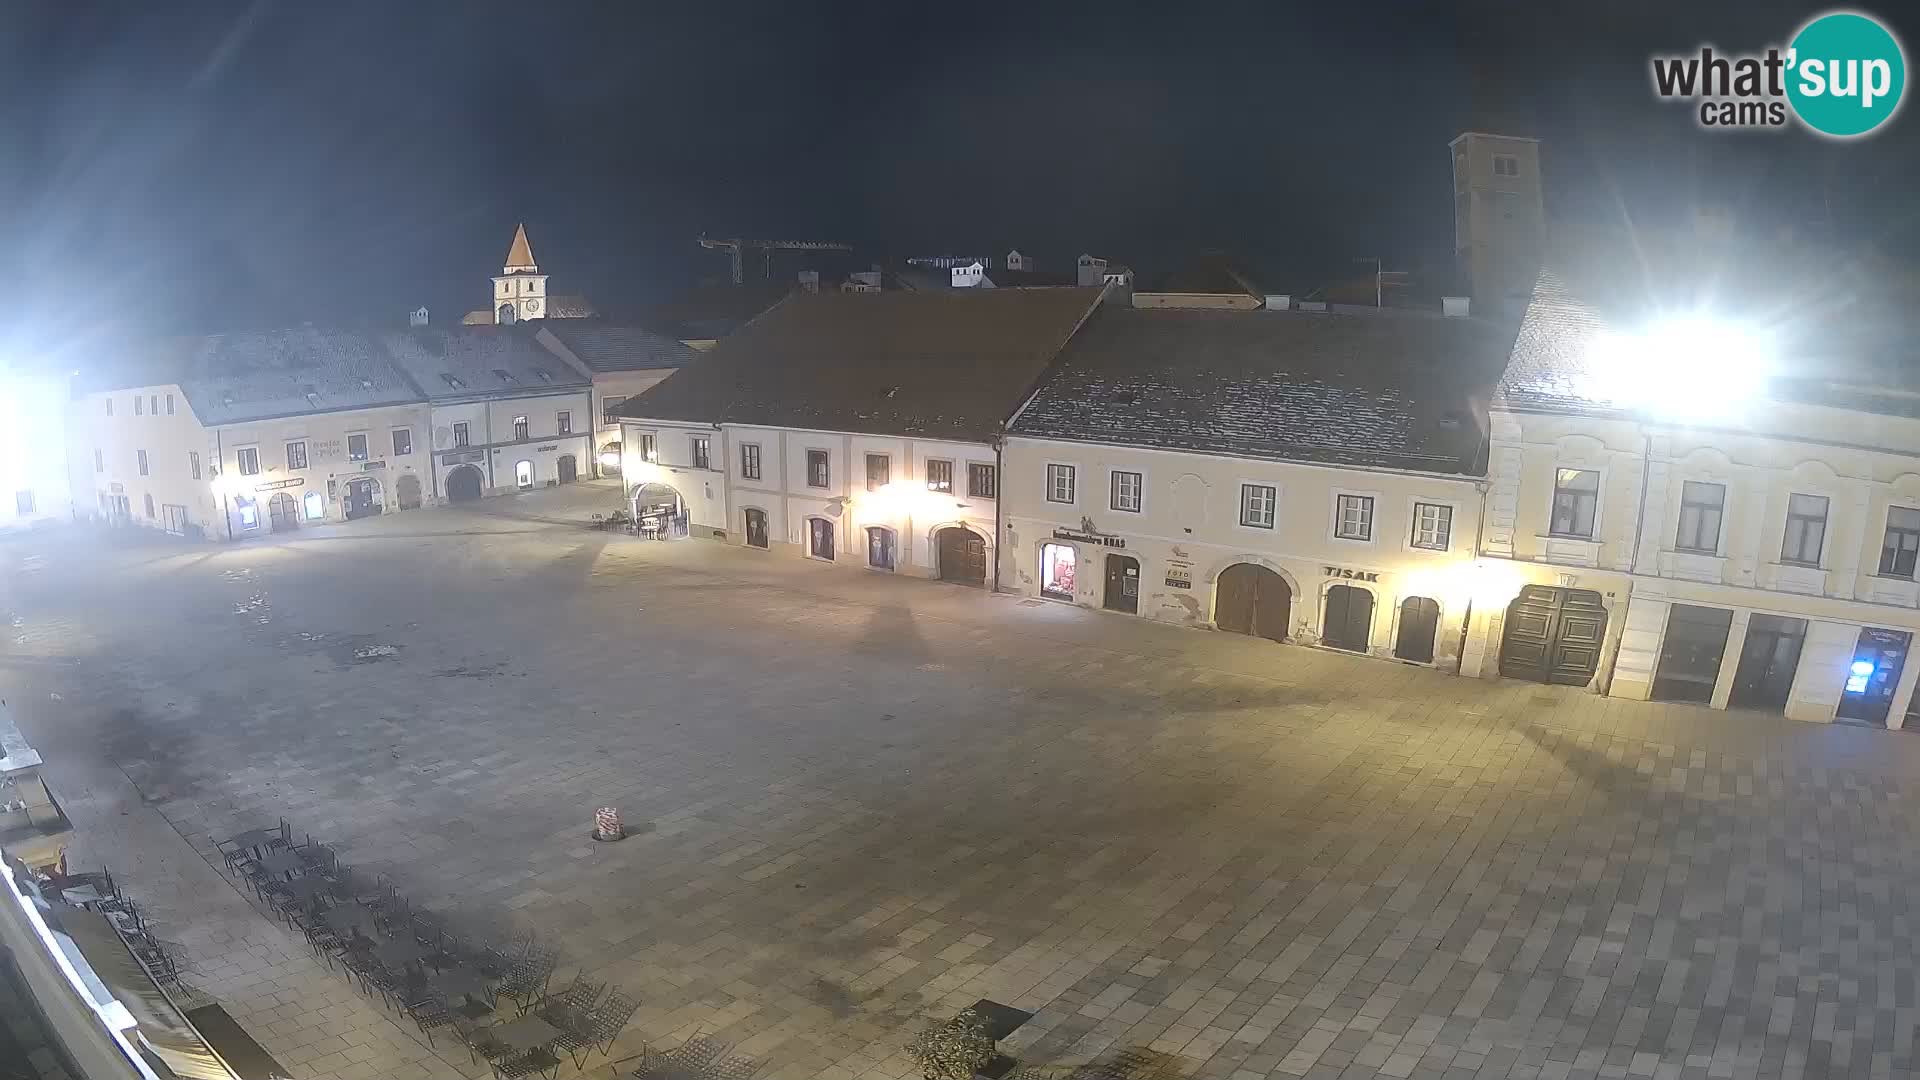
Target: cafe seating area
[{"x": 497, "y": 999}]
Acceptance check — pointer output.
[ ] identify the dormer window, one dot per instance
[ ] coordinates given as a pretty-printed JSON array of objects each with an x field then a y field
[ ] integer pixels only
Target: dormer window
[{"x": 453, "y": 382}]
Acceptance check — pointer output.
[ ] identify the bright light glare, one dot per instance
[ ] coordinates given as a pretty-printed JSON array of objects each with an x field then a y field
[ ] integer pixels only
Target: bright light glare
[
  {"x": 609, "y": 459},
  {"x": 1689, "y": 368}
]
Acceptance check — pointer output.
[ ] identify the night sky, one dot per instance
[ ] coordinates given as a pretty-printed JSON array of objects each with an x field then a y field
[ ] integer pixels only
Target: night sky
[{"x": 274, "y": 163}]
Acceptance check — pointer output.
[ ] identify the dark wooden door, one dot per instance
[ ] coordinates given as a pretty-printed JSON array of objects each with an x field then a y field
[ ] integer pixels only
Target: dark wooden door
[
  {"x": 569, "y": 469},
  {"x": 463, "y": 484},
  {"x": 360, "y": 499},
  {"x": 1553, "y": 635},
  {"x": 1768, "y": 659},
  {"x": 1349, "y": 621},
  {"x": 756, "y": 528},
  {"x": 963, "y": 557},
  {"x": 1419, "y": 621},
  {"x": 1253, "y": 600},
  {"x": 1123, "y": 584},
  {"x": 820, "y": 538},
  {"x": 283, "y": 512}
]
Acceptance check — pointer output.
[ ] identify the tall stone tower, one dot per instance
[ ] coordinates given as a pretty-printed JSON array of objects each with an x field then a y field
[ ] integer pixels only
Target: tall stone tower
[
  {"x": 1499, "y": 218},
  {"x": 520, "y": 289}
]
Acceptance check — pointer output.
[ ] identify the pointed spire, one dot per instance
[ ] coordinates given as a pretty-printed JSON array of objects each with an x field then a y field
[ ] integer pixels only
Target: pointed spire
[{"x": 520, "y": 255}]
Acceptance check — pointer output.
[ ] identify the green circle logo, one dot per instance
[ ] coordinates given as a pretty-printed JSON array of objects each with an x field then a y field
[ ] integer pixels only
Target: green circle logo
[{"x": 1846, "y": 74}]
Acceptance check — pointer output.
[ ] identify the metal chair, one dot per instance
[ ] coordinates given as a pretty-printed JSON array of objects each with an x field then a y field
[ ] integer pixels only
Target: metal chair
[
  {"x": 702, "y": 1056},
  {"x": 575, "y": 1002},
  {"x": 528, "y": 979},
  {"x": 430, "y": 1012},
  {"x": 601, "y": 1025},
  {"x": 542, "y": 1062}
]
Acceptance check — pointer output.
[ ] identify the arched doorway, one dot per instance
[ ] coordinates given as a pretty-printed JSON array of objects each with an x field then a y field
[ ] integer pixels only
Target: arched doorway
[
  {"x": 658, "y": 511},
  {"x": 569, "y": 469},
  {"x": 880, "y": 548},
  {"x": 1349, "y": 618},
  {"x": 756, "y": 527},
  {"x": 962, "y": 556},
  {"x": 316, "y": 506},
  {"x": 282, "y": 512},
  {"x": 1253, "y": 600},
  {"x": 465, "y": 483},
  {"x": 363, "y": 497},
  {"x": 523, "y": 475},
  {"x": 505, "y": 315},
  {"x": 1123, "y": 584},
  {"x": 1419, "y": 621},
  {"x": 407, "y": 490}
]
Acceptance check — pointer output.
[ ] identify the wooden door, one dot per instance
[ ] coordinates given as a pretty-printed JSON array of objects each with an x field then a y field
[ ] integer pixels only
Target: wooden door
[
  {"x": 1250, "y": 599},
  {"x": 1349, "y": 618},
  {"x": 820, "y": 538},
  {"x": 1123, "y": 584},
  {"x": 1419, "y": 622},
  {"x": 963, "y": 557},
  {"x": 1768, "y": 660},
  {"x": 569, "y": 469},
  {"x": 1553, "y": 635},
  {"x": 756, "y": 528}
]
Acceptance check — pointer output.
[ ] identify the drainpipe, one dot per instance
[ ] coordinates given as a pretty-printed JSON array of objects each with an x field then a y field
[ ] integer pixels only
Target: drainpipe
[
  {"x": 487, "y": 407},
  {"x": 999, "y": 496},
  {"x": 1640, "y": 519}
]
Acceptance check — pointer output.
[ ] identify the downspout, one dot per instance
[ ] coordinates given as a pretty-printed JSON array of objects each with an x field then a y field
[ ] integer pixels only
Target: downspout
[
  {"x": 1603, "y": 682},
  {"x": 1479, "y": 543},
  {"x": 999, "y": 494},
  {"x": 487, "y": 407}
]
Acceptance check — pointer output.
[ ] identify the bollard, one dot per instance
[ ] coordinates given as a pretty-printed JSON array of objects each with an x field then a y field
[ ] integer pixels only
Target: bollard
[{"x": 606, "y": 824}]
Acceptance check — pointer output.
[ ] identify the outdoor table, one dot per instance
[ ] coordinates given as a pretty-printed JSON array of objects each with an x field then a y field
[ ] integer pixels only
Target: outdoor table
[
  {"x": 524, "y": 1034},
  {"x": 398, "y": 953},
  {"x": 81, "y": 895},
  {"x": 304, "y": 889},
  {"x": 347, "y": 918},
  {"x": 461, "y": 982},
  {"x": 281, "y": 862},
  {"x": 255, "y": 839}
]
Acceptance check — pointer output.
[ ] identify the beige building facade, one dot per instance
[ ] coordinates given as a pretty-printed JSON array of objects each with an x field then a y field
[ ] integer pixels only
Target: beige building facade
[{"x": 280, "y": 474}]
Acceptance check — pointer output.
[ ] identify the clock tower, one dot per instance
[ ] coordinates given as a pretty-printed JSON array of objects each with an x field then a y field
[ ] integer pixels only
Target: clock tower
[{"x": 520, "y": 289}]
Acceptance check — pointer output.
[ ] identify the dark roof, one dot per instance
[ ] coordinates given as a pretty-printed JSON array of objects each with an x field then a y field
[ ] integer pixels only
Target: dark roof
[
  {"x": 1375, "y": 388},
  {"x": 570, "y": 306},
  {"x": 948, "y": 365},
  {"x": 233, "y": 378},
  {"x": 708, "y": 311},
  {"x": 469, "y": 361},
  {"x": 1842, "y": 327},
  {"x": 605, "y": 347}
]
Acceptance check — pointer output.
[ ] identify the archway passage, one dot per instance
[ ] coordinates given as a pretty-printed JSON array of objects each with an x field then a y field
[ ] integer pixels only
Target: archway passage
[
  {"x": 464, "y": 483},
  {"x": 1419, "y": 620},
  {"x": 407, "y": 490},
  {"x": 523, "y": 475},
  {"x": 283, "y": 512},
  {"x": 962, "y": 556},
  {"x": 569, "y": 469},
  {"x": 1349, "y": 621},
  {"x": 1253, "y": 600}
]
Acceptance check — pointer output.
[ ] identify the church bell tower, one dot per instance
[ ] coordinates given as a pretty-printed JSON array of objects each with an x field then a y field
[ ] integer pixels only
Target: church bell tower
[{"x": 520, "y": 289}]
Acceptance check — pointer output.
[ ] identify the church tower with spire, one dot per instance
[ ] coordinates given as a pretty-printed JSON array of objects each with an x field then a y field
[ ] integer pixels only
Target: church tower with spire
[{"x": 520, "y": 289}]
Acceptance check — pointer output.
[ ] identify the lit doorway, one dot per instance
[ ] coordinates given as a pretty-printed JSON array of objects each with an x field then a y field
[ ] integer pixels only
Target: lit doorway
[{"x": 1057, "y": 565}]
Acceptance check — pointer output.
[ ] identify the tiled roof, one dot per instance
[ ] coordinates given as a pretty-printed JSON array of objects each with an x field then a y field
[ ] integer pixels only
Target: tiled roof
[
  {"x": 519, "y": 253},
  {"x": 605, "y": 347},
  {"x": 570, "y": 306},
  {"x": 951, "y": 365},
  {"x": 1842, "y": 329},
  {"x": 232, "y": 378},
  {"x": 468, "y": 361},
  {"x": 1371, "y": 388}
]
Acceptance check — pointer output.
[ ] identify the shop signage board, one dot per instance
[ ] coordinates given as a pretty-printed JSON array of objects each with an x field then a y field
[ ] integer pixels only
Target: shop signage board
[
  {"x": 1351, "y": 575},
  {"x": 1089, "y": 538}
]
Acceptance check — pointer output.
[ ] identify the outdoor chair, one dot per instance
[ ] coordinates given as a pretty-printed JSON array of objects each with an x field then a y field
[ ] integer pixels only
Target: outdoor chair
[
  {"x": 324, "y": 942},
  {"x": 527, "y": 981},
  {"x": 430, "y": 1012},
  {"x": 701, "y": 1056},
  {"x": 478, "y": 1038},
  {"x": 570, "y": 1007},
  {"x": 374, "y": 979},
  {"x": 542, "y": 1062},
  {"x": 597, "y": 1028},
  {"x": 320, "y": 859}
]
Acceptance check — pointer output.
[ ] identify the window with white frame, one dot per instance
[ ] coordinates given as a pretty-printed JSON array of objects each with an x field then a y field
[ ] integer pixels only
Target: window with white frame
[
  {"x": 939, "y": 475},
  {"x": 1806, "y": 530},
  {"x": 982, "y": 480},
  {"x": 520, "y": 429},
  {"x": 1353, "y": 517},
  {"x": 1432, "y": 526},
  {"x": 1060, "y": 483},
  {"x": 1901, "y": 543},
  {"x": 749, "y": 461},
  {"x": 1257, "y": 503},
  {"x": 1506, "y": 165},
  {"x": 702, "y": 452},
  {"x": 1702, "y": 506},
  {"x": 296, "y": 455},
  {"x": 248, "y": 458},
  {"x": 879, "y": 471},
  {"x": 819, "y": 469},
  {"x": 460, "y": 433},
  {"x": 1126, "y": 491},
  {"x": 1576, "y": 495}
]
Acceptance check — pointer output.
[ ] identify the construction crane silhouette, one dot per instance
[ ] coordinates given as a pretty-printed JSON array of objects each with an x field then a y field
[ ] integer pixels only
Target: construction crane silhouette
[{"x": 736, "y": 247}]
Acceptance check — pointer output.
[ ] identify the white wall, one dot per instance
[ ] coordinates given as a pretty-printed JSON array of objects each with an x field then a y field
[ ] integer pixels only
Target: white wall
[
  {"x": 172, "y": 442},
  {"x": 704, "y": 491},
  {"x": 34, "y": 472},
  {"x": 328, "y": 468},
  {"x": 1188, "y": 529},
  {"x": 491, "y": 441},
  {"x": 617, "y": 385}
]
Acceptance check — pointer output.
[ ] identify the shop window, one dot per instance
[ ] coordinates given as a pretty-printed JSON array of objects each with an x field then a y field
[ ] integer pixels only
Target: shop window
[
  {"x": 316, "y": 505},
  {"x": 249, "y": 513},
  {"x": 1057, "y": 565},
  {"x": 880, "y": 548}
]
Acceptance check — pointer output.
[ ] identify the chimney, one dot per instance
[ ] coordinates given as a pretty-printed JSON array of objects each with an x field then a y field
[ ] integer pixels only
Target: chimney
[
  {"x": 417, "y": 317},
  {"x": 1455, "y": 307}
]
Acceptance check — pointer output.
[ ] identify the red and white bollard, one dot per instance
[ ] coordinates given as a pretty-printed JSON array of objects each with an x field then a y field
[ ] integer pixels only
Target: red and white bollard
[{"x": 606, "y": 824}]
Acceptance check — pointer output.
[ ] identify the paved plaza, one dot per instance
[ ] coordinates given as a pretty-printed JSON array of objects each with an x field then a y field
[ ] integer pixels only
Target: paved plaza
[{"x": 859, "y": 803}]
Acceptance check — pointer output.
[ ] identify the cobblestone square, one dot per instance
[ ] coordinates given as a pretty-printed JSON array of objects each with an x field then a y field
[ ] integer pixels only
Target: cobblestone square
[{"x": 858, "y": 803}]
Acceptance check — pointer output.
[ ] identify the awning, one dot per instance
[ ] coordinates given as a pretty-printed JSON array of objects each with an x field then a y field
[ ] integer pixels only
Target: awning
[{"x": 161, "y": 1031}]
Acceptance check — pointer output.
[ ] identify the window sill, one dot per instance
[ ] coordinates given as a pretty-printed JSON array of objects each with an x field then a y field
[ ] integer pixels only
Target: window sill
[{"x": 1702, "y": 566}]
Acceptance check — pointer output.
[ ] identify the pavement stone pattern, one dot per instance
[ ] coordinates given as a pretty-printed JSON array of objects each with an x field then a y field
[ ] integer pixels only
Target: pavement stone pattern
[{"x": 859, "y": 803}]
